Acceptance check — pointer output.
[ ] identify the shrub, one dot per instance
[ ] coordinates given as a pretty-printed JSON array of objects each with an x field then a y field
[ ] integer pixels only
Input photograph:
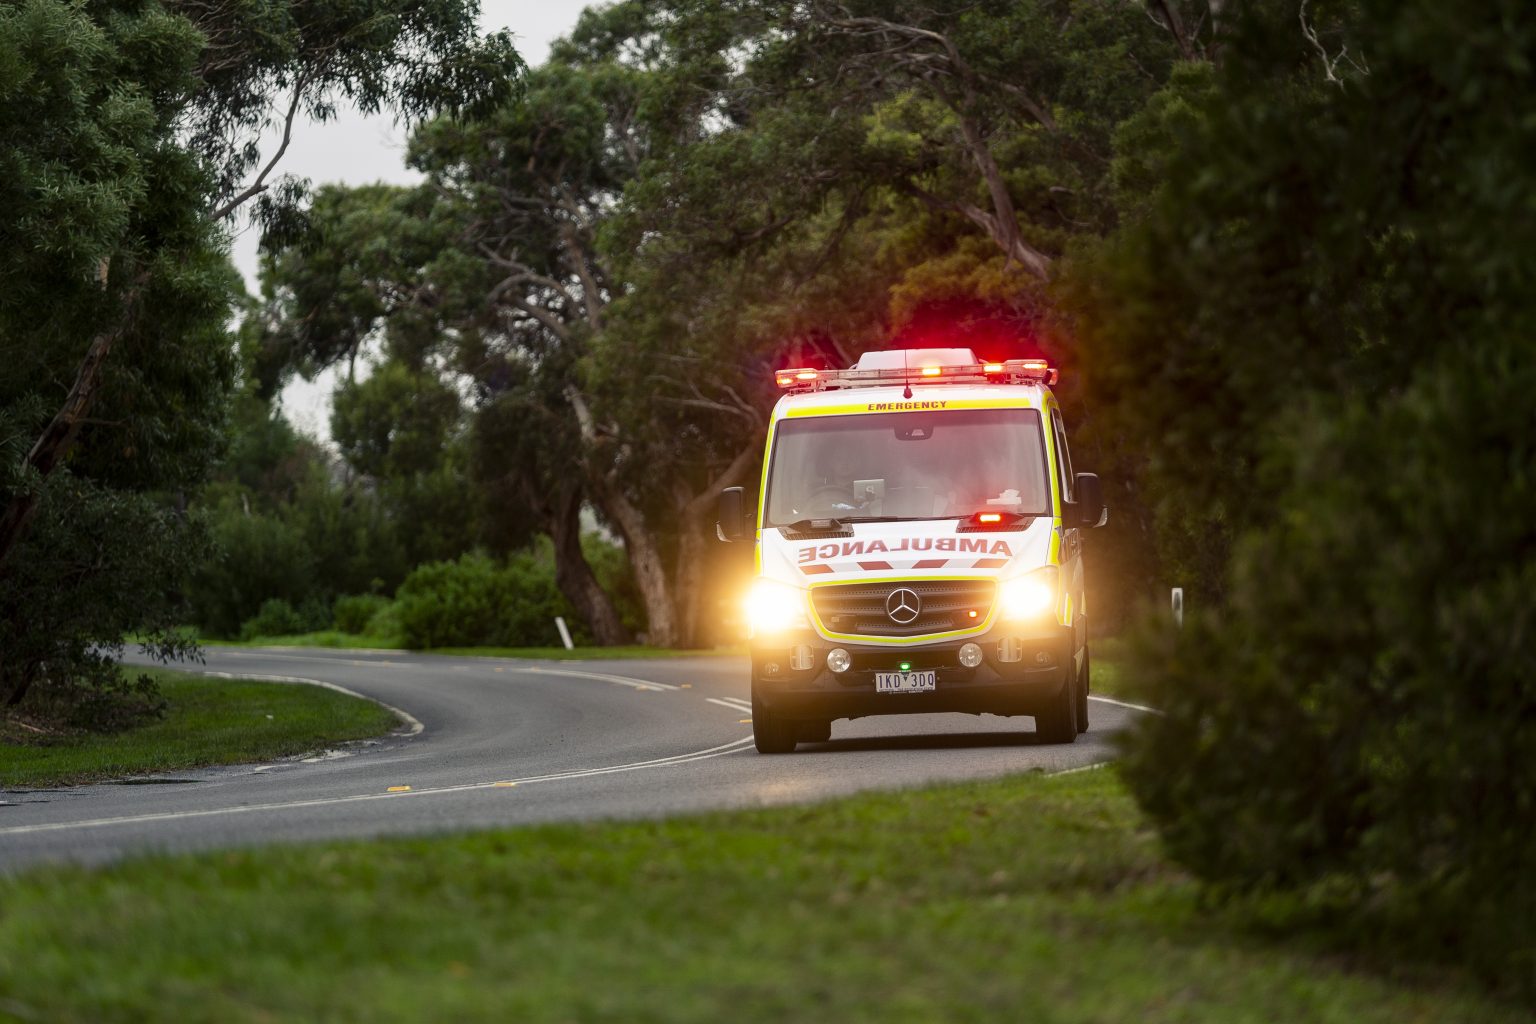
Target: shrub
[
  {"x": 259, "y": 557},
  {"x": 475, "y": 601},
  {"x": 385, "y": 623},
  {"x": 352, "y": 614},
  {"x": 276, "y": 618},
  {"x": 1364, "y": 711}
]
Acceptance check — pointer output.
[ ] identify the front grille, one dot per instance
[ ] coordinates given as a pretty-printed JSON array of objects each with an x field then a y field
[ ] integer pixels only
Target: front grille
[{"x": 860, "y": 608}]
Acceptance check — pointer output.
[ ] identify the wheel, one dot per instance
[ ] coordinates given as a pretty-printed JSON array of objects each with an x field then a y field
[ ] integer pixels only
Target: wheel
[
  {"x": 770, "y": 733},
  {"x": 1082, "y": 694},
  {"x": 814, "y": 732},
  {"x": 1057, "y": 722}
]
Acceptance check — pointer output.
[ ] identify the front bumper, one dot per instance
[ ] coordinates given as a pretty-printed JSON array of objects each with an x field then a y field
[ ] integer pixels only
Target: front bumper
[{"x": 1045, "y": 664}]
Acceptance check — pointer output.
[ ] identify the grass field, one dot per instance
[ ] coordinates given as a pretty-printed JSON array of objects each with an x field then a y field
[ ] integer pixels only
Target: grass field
[
  {"x": 1029, "y": 899},
  {"x": 208, "y": 721}
]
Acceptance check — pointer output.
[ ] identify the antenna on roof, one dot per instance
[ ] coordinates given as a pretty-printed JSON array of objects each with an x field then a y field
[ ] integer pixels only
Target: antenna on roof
[{"x": 905, "y": 372}]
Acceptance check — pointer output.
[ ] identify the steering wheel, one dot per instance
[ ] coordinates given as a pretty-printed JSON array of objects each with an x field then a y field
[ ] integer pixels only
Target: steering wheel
[{"x": 826, "y": 494}]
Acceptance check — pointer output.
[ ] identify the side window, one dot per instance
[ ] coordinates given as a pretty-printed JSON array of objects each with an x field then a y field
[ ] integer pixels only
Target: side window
[{"x": 1063, "y": 456}]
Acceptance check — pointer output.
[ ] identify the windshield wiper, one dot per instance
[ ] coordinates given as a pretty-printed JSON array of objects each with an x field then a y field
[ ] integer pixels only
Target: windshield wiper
[{"x": 820, "y": 527}]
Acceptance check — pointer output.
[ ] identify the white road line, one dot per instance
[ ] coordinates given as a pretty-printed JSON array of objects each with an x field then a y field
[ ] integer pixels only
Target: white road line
[
  {"x": 584, "y": 773},
  {"x": 323, "y": 661},
  {"x": 413, "y": 724},
  {"x": 1123, "y": 704},
  {"x": 638, "y": 684},
  {"x": 734, "y": 705},
  {"x": 1095, "y": 766}
]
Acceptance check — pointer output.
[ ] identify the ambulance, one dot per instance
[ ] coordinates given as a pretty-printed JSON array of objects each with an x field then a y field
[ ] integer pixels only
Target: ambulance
[{"x": 919, "y": 548}]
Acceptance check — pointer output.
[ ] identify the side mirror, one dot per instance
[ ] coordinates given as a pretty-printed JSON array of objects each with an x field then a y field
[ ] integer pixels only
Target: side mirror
[
  {"x": 732, "y": 515},
  {"x": 1090, "y": 501}
]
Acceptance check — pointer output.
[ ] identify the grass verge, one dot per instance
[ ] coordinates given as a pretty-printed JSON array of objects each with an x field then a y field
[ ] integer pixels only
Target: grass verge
[
  {"x": 349, "y": 641},
  {"x": 207, "y": 722},
  {"x": 1031, "y": 898}
]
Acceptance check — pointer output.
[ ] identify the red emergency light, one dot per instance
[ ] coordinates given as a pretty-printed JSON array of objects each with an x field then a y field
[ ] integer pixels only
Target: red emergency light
[{"x": 1012, "y": 371}]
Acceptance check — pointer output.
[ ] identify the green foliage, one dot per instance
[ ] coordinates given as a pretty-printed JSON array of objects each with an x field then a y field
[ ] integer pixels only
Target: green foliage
[
  {"x": 257, "y": 558},
  {"x": 128, "y": 135},
  {"x": 62, "y": 617},
  {"x": 476, "y": 601},
  {"x": 1319, "y": 331},
  {"x": 354, "y": 613},
  {"x": 276, "y": 618}
]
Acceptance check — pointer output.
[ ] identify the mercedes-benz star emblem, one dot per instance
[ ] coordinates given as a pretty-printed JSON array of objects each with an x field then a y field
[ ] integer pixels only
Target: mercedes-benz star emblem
[{"x": 903, "y": 605}]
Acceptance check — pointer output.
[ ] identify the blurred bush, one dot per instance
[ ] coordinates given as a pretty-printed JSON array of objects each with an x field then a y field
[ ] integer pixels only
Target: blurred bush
[
  {"x": 353, "y": 614},
  {"x": 258, "y": 559},
  {"x": 276, "y": 618},
  {"x": 478, "y": 601}
]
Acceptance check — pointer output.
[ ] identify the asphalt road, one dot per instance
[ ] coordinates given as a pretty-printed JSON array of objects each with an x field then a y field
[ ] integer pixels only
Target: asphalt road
[{"x": 496, "y": 742}]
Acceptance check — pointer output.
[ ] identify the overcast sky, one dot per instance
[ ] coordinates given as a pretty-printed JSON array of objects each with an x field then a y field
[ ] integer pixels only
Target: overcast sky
[{"x": 359, "y": 150}]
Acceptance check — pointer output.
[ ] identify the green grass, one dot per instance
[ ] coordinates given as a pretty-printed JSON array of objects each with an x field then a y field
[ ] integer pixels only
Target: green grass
[
  {"x": 208, "y": 722},
  {"x": 348, "y": 641},
  {"x": 1028, "y": 899}
]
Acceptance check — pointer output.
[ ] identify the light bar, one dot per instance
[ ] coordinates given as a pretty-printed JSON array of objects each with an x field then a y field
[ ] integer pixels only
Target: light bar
[
  {"x": 1012, "y": 371},
  {"x": 797, "y": 379}
]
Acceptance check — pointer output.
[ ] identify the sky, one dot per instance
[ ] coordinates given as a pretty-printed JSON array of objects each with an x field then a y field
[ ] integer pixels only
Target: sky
[{"x": 358, "y": 150}]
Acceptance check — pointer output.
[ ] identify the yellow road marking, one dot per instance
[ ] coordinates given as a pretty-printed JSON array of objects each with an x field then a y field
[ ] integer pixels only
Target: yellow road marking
[
  {"x": 503, "y": 785},
  {"x": 744, "y": 721},
  {"x": 399, "y": 789}
]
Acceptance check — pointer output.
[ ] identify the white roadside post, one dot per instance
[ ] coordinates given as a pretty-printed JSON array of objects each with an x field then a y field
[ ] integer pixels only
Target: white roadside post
[
  {"x": 565, "y": 634},
  {"x": 1178, "y": 606}
]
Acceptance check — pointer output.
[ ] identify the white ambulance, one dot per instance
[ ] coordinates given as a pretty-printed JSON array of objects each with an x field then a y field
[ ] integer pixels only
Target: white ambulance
[{"x": 919, "y": 548}]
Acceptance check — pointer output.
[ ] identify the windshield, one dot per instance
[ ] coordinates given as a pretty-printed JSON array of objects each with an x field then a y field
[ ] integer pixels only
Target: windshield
[{"x": 907, "y": 465}]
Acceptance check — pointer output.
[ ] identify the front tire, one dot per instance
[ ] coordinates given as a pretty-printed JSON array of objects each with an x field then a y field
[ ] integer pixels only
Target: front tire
[
  {"x": 814, "y": 732},
  {"x": 770, "y": 733},
  {"x": 1057, "y": 722}
]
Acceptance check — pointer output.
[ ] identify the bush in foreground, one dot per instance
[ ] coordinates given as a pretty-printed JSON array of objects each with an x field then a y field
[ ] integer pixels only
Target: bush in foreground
[{"x": 1364, "y": 712}]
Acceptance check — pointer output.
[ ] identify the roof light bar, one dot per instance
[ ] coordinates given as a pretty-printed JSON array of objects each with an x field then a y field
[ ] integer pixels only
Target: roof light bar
[
  {"x": 1012, "y": 371},
  {"x": 797, "y": 378}
]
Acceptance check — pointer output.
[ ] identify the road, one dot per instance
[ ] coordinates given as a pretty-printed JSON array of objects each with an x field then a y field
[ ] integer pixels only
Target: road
[{"x": 497, "y": 742}]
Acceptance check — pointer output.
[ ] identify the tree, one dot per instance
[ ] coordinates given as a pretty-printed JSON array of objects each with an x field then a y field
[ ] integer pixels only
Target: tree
[
  {"x": 129, "y": 133},
  {"x": 1318, "y": 327}
]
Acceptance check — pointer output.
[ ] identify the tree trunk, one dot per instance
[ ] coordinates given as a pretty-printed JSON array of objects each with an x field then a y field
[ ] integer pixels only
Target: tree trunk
[
  {"x": 693, "y": 563},
  {"x": 58, "y": 437},
  {"x": 574, "y": 577},
  {"x": 648, "y": 566},
  {"x": 28, "y": 674}
]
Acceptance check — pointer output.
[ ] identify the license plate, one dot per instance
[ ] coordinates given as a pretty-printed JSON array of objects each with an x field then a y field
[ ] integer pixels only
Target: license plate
[{"x": 905, "y": 682}]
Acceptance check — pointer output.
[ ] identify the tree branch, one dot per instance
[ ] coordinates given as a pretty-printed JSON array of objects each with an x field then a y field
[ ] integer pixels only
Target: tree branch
[{"x": 260, "y": 184}]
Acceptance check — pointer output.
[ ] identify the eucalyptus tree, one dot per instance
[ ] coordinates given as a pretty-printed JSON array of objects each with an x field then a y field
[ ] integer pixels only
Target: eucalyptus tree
[{"x": 130, "y": 138}]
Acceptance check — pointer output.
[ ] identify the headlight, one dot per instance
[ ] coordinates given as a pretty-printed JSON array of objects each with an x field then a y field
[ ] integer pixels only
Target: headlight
[
  {"x": 1029, "y": 597},
  {"x": 772, "y": 607}
]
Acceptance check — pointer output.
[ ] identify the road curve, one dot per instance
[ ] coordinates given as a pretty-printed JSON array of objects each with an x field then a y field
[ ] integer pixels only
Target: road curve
[{"x": 497, "y": 742}]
